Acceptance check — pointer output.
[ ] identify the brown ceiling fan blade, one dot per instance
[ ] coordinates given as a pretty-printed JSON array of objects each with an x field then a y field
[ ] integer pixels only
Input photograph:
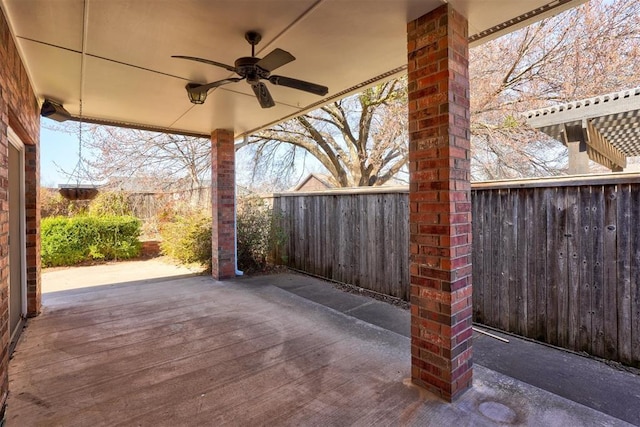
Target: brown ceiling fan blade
[
  {"x": 275, "y": 59},
  {"x": 263, "y": 95},
  {"x": 204, "y": 88},
  {"x": 299, "y": 84},
  {"x": 206, "y": 61}
]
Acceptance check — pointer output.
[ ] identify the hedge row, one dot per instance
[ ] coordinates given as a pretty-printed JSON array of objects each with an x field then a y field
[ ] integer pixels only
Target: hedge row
[{"x": 69, "y": 241}]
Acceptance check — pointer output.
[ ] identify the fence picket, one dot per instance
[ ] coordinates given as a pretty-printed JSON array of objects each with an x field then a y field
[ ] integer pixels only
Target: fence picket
[
  {"x": 623, "y": 255},
  {"x": 610, "y": 273}
]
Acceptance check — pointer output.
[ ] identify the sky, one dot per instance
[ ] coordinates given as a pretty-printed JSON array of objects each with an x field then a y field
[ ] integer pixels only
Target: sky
[{"x": 58, "y": 154}]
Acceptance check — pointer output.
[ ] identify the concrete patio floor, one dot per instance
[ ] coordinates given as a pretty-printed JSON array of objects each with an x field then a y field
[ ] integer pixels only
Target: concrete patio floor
[{"x": 185, "y": 351}]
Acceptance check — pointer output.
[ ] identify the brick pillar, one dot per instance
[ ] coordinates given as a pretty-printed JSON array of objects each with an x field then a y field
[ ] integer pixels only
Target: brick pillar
[
  {"x": 32, "y": 206},
  {"x": 223, "y": 204},
  {"x": 440, "y": 207}
]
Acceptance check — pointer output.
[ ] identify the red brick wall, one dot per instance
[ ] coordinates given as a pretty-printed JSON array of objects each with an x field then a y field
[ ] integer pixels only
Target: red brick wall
[
  {"x": 18, "y": 109},
  {"x": 440, "y": 202},
  {"x": 223, "y": 204}
]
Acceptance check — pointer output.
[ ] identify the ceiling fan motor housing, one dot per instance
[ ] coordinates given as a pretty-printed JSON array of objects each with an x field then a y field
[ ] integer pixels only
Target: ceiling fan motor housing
[{"x": 246, "y": 67}]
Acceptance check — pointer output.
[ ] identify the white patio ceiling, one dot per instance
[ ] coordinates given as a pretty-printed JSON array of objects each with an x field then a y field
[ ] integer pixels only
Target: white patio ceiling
[{"x": 115, "y": 55}]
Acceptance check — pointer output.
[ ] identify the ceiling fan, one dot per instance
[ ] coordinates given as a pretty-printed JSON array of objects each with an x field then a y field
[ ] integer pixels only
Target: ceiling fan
[{"x": 253, "y": 69}]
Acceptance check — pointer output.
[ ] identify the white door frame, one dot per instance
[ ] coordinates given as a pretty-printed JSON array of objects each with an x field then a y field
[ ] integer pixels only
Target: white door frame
[{"x": 15, "y": 140}]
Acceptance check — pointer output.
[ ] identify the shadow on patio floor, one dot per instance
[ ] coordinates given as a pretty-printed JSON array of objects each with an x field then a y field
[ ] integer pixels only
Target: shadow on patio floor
[{"x": 192, "y": 351}]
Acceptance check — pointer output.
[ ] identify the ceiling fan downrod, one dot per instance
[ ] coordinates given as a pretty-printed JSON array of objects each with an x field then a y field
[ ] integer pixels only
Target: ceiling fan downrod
[{"x": 253, "y": 38}]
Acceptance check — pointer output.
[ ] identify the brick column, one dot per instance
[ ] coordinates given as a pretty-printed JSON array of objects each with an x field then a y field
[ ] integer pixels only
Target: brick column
[
  {"x": 440, "y": 208},
  {"x": 32, "y": 206},
  {"x": 223, "y": 204}
]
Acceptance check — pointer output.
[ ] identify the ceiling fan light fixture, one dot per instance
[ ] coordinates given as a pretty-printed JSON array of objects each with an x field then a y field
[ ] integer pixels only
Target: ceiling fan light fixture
[
  {"x": 196, "y": 96},
  {"x": 253, "y": 70}
]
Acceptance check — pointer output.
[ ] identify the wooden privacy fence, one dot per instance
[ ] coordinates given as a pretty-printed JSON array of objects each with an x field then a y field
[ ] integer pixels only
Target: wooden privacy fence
[
  {"x": 556, "y": 260},
  {"x": 559, "y": 261},
  {"x": 357, "y": 236},
  {"x": 148, "y": 206}
]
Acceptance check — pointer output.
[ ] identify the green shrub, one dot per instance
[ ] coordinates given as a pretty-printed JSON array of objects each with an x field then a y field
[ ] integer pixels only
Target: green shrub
[
  {"x": 259, "y": 233},
  {"x": 115, "y": 203},
  {"x": 110, "y": 203},
  {"x": 69, "y": 241},
  {"x": 53, "y": 204},
  {"x": 187, "y": 239}
]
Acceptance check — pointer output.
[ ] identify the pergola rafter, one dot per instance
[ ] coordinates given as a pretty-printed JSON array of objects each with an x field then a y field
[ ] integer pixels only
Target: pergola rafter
[{"x": 603, "y": 129}]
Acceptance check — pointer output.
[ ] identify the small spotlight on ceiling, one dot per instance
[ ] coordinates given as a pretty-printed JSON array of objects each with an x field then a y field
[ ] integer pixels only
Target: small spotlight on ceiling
[{"x": 55, "y": 111}]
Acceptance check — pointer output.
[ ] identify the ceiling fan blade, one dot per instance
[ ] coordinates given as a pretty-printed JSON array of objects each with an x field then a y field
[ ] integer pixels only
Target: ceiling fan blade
[
  {"x": 275, "y": 59},
  {"x": 263, "y": 95},
  {"x": 206, "y": 61},
  {"x": 206, "y": 87},
  {"x": 299, "y": 84}
]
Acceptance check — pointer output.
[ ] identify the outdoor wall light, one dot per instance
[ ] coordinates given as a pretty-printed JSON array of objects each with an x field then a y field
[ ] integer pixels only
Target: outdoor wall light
[
  {"x": 196, "y": 93},
  {"x": 55, "y": 111}
]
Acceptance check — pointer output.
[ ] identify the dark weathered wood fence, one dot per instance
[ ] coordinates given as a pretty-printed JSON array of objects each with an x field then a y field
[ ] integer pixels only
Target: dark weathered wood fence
[
  {"x": 556, "y": 260},
  {"x": 359, "y": 237},
  {"x": 559, "y": 261}
]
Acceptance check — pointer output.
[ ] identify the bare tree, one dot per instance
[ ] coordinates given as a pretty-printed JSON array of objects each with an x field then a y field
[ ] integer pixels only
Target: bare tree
[
  {"x": 583, "y": 52},
  {"x": 164, "y": 161},
  {"x": 360, "y": 140}
]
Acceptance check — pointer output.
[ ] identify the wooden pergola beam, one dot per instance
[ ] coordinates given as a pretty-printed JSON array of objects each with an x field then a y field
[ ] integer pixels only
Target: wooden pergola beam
[
  {"x": 585, "y": 142},
  {"x": 602, "y": 151},
  {"x": 603, "y": 128}
]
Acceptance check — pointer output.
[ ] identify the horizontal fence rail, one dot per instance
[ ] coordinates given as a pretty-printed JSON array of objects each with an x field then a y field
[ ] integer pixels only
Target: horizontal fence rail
[{"x": 556, "y": 260}]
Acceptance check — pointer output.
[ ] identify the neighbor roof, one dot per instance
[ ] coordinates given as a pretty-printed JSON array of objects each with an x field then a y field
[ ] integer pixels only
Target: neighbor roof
[{"x": 322, "y": 180}]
